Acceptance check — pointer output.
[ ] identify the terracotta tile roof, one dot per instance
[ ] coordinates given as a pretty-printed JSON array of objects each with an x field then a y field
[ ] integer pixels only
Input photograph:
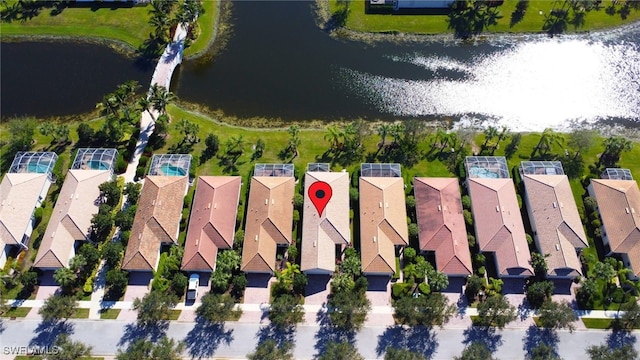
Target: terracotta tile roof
[
  {"x": 269, "y": 222},
  {"x": 157, "y": 221},
  {"x": 499, "y": 226},
  {"x": 619, "y": 206},
  {"x": 556, "y": 221},
  {"x": 71, "y": 217},
  {"x": 441, "y": 224},
  {"x": 383, "y": 223},
  {"x": 19, "y": 196},
  {"x": 212, "y": 222},
  {"x": 320, "y": 234}
]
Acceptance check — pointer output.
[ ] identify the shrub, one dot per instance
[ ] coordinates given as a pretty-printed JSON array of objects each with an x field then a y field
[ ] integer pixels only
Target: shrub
[
  {"x": 121, "y": 165},
  {"x": 466, "y": 202},
  {"x": 596, "y": 223},
  {"x": 471, "y": 240},
  {"x": 424, "y": 288},
  {"x": 400, "y": 289},
  {"x": 468, "y": 218}
]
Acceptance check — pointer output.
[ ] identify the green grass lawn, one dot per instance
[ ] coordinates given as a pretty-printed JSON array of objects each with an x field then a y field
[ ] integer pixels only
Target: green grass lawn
[
  {"x": 106, "y": 21},
  {"x": 174, "y": 314},
  {"x": 80, "y": 314},
  {"x": 109, "y": 313},
  {"x": 597, "y": 323},
  {"x": 18, "y": 312},
  {"x": 438, "y": 24}
]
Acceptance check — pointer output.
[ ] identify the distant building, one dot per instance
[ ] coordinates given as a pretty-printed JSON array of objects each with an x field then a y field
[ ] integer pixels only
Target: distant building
[
  {"x": 422, "y": 4},
  {"x": 618, "y": 199},
  {"x": 441, "y": 224},
  {"x": 212, "y": 222},
  {"x": 157, "y": 220},
  {"x": 78, "y": 200},
  {"x": 383, "y": 218},
  {"x": 323, "y": 233},
  {"x": 496, "y": 213},
  {"x": 269, "y": 219},
  {"x": 554, "y": 217},
  {"x": 22, "y": 190}
]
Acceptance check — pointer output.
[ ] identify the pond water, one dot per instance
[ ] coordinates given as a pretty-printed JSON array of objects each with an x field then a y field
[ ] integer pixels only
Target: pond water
[{"x": 279, "y": 64}]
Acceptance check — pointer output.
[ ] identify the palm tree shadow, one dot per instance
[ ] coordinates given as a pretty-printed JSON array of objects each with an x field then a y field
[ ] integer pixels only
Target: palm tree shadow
[
  {"x": 205, "y": 338},
  {"x": 329, "y": 333},
  {"x": 418, "y": 339},
  {"x": 136, "y": 331},
  {"x": 48, "y": 331},
  {"x": 536, "y": 336},
  {"x": 485, "y": 335}
]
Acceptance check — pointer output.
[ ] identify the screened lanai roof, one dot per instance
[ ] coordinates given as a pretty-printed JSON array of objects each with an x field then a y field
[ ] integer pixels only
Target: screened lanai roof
[
  {"x": 95, "y": 159},
  {"x": 487, "y": 167},
  {"x": 318, "y": 167},
  {"x": 285, "y": 170},
  {"x": 616, "y": 174},
  {"x": 380, "y": 170},
  {"x": 170, "y": 165},
  {"x": 33, "y": 162},
  {"x": 541, "y": 168}
]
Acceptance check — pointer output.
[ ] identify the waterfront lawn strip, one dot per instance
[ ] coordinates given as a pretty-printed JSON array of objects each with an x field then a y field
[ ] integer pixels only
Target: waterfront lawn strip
[
  {"x": 532, "y": 21},
  {"x": 207, "y": 25},
  {"x": 127, "y": 24}
]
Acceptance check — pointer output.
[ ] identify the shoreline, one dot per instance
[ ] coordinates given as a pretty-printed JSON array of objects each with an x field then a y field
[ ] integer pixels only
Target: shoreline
[{"x": 323, "y": 15}]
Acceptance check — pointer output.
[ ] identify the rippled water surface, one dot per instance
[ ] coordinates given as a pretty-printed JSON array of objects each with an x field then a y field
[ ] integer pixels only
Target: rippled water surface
[{"x": 279, "y": 64}]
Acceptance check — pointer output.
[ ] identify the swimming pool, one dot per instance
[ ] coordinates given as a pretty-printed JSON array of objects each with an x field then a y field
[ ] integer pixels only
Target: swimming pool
[
  {"x": 171, "y": 170},
  {"x": 480, "y": 172},
  {"x": 97, "y": 165},
  {"x": 37, "y": 168}
]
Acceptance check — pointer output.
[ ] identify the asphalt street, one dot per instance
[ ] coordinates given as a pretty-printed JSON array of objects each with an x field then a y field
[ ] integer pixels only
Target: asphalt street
[{"x": 235, "y": 340}]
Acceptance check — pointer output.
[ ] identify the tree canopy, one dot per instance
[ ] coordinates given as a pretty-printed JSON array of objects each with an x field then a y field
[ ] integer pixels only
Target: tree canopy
[
  {"x": 340, "y": 351},
  {"x": 269, "y": 350}
]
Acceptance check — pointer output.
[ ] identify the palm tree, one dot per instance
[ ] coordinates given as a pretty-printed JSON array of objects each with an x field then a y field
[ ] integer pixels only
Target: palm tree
[
  {"x": 548, "y": 138},
  {"x": 160, "y": 98},
  {"x": 109, "y": 104},
  {"x": 613, "y": 148},
  {"x": 489, "y": 134},
  {"x": 383, "y": 131},
  {"x": 396, "y": 131},
  {"x": 333, "y": 136}
]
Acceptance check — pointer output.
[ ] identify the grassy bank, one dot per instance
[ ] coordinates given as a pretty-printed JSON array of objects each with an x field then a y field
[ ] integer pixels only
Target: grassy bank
[
  {"x": 533, "y": 20},
  {"x": 103, "y": 21}
]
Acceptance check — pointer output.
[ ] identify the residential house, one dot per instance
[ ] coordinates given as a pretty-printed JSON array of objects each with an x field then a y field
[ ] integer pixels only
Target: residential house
[
  {"x": 383, "y": 218},
  {"x": 269, "y": 218},
  {"x": 78, "y": 200},
  {"x": 618, "y": 199},
  {"x": 212, "y": 222},
  {"x": 441, "y": 224},
  {"x": 555, "y": 221},
  {"x": 157, "y": 219},
  {"x": 496, "y": 213},
  {"x": 22, "y": 190},
  {"x": 324, "y": 228}
]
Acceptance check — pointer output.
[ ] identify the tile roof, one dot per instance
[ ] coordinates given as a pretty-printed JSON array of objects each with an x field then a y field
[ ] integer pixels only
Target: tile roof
[
  {"x": 498, "y": 225},
  {"x": 619, "y": 206},
  {"x": 71, "y": 217},
  {"x": 19, "y": 196},
  {"x": 320, "y": 234},
  {"x": 383, "y": 223},
  {"x": 441, "y": 224},
  {"x": 554, "y": 215},
  {"x": 269, "y": 222},
  {"x": 157, "y": 221},
  {"x": 212, "y": 222}
]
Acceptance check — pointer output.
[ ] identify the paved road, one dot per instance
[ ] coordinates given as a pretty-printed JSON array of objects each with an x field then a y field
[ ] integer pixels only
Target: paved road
[{"x": 235, "y": 340}]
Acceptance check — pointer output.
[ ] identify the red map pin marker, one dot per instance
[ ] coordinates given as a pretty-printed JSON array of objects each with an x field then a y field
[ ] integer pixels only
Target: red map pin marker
[{"x": 320, "y": 193}]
